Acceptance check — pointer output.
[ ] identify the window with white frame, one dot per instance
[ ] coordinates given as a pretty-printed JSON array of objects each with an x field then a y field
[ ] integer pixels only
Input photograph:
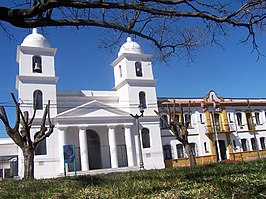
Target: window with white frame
[
  {"x": 229, "y": 118},
  {"x": 205, "y": 147},
  {"x": 41, "y": 148},
  {"x": 234, "y": 144},
  {"x": 187, "y": 117},
  {"x": 164, "y": 121},
  {"x": 201, "y": 118},
  {"x": 37, "y": 100},
  {"x": 145, "y": 135},
  {"x": 257, "y": 117},
  {"x": 142, "y": 99},
  {"x": 239, "y": 118},
  {"x": 253, "y": 144},
  {"x": 249, "y": 120},
  {"x": 244, "y": 144},
  {"x": 262, "y": 143},
  {"x": 180, "y": 151},
  {"x": 194, "y": 148},
  {"x": 167, "y": 152}
]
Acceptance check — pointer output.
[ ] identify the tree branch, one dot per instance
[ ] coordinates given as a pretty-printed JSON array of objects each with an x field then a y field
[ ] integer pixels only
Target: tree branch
[
  {"x": 44, "y": 131},
  {"x": 134, "y": 17}
]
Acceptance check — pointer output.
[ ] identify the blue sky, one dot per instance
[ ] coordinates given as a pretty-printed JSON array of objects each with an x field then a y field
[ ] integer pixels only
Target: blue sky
[{"x": 232, "y": 71}]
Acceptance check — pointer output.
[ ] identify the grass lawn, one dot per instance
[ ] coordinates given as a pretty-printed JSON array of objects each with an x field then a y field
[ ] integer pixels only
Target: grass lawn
[{"x": 235, "y": 180}]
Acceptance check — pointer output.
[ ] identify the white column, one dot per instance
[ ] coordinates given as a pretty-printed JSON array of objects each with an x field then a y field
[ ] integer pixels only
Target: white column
[
  {"x": 62, "y": 142},
  {"x": 113, "y": 147},
  {"x": 83, "y": 144},
  {"x": 128, "y": 140}
]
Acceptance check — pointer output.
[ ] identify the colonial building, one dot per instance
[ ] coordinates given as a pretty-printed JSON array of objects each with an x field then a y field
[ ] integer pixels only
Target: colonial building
[
  {"x": 106, "y": 129},
  {"x": 221, "y": 129}
]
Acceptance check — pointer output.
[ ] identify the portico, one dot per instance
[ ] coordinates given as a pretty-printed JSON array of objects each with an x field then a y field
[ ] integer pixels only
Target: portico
[{"x": 99, "y": 147}]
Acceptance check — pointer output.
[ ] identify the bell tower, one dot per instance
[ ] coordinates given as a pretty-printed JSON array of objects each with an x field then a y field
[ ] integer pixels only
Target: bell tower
[
  {"x": 134, "y": 80},
  {"x": 36, "y": 78}
]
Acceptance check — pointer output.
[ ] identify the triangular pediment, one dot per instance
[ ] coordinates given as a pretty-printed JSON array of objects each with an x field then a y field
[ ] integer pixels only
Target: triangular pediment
[{"x": 92, "y": 109}]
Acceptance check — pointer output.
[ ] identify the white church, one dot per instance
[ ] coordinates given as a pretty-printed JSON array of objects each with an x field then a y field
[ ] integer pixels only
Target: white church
[{"x": 100, "y": 124}]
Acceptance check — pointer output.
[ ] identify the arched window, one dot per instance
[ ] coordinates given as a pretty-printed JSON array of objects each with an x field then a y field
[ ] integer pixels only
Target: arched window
[
  {"x": 138, "y": 69},
  {"x": 167, "y": 152},
  {"x": 244, "y": 144},
  {"x": 180, "y": 151},
  {"x": 262, "y": 143},
  {"x": 37, "y": 100},
  {"x": 36, "y": 64},
  {"x": 142, "y": 99},
  {"x": 145, "y": 135}
]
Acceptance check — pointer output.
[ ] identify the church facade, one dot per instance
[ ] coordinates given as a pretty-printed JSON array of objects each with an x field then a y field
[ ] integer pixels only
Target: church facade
[
  {"x": 99, "y": 124},
  {"x": 106, "y": 129}
]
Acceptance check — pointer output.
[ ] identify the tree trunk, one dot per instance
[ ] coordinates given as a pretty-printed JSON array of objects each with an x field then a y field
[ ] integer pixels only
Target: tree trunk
[
  {"x": 28, "y": 154},
  {"x": 191, "y": 156}
]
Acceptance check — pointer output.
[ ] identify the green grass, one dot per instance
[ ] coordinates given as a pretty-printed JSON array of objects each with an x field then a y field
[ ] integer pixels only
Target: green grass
[{"x": 236, "y": 180}]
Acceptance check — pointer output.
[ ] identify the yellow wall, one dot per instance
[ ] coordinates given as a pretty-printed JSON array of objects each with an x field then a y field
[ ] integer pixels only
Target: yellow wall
[
  {"x": 224, "y": 125},
  {"x": 208, "y": 121},
  {"x": 225, "y": 120},
  {"x": 240, "y": 156}
]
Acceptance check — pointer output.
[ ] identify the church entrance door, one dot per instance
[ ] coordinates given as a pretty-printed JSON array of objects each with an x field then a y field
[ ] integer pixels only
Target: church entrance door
[{"x": 94, "y": 150}]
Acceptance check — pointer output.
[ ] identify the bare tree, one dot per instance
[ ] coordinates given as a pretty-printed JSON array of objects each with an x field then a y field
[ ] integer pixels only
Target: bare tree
[
  {"x": 178, "y": 125},
  {"x": 21, "y": 134},
  {"x": 175, "y": 27}
]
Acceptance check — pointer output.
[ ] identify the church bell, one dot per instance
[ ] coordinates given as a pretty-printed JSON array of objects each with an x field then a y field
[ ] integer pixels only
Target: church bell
[{"x": 37, "y": 66}]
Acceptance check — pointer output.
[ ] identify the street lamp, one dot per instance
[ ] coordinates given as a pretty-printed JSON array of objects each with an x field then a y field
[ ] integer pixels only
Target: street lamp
[{"x": 136, "y": 116}]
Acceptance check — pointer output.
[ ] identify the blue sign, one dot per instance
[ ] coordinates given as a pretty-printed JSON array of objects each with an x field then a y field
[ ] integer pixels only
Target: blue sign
[{"x": 69, "y": 153}]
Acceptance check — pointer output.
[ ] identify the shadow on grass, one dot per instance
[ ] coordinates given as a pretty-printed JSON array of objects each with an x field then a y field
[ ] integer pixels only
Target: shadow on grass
[{"x": 237, "y": 180}]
